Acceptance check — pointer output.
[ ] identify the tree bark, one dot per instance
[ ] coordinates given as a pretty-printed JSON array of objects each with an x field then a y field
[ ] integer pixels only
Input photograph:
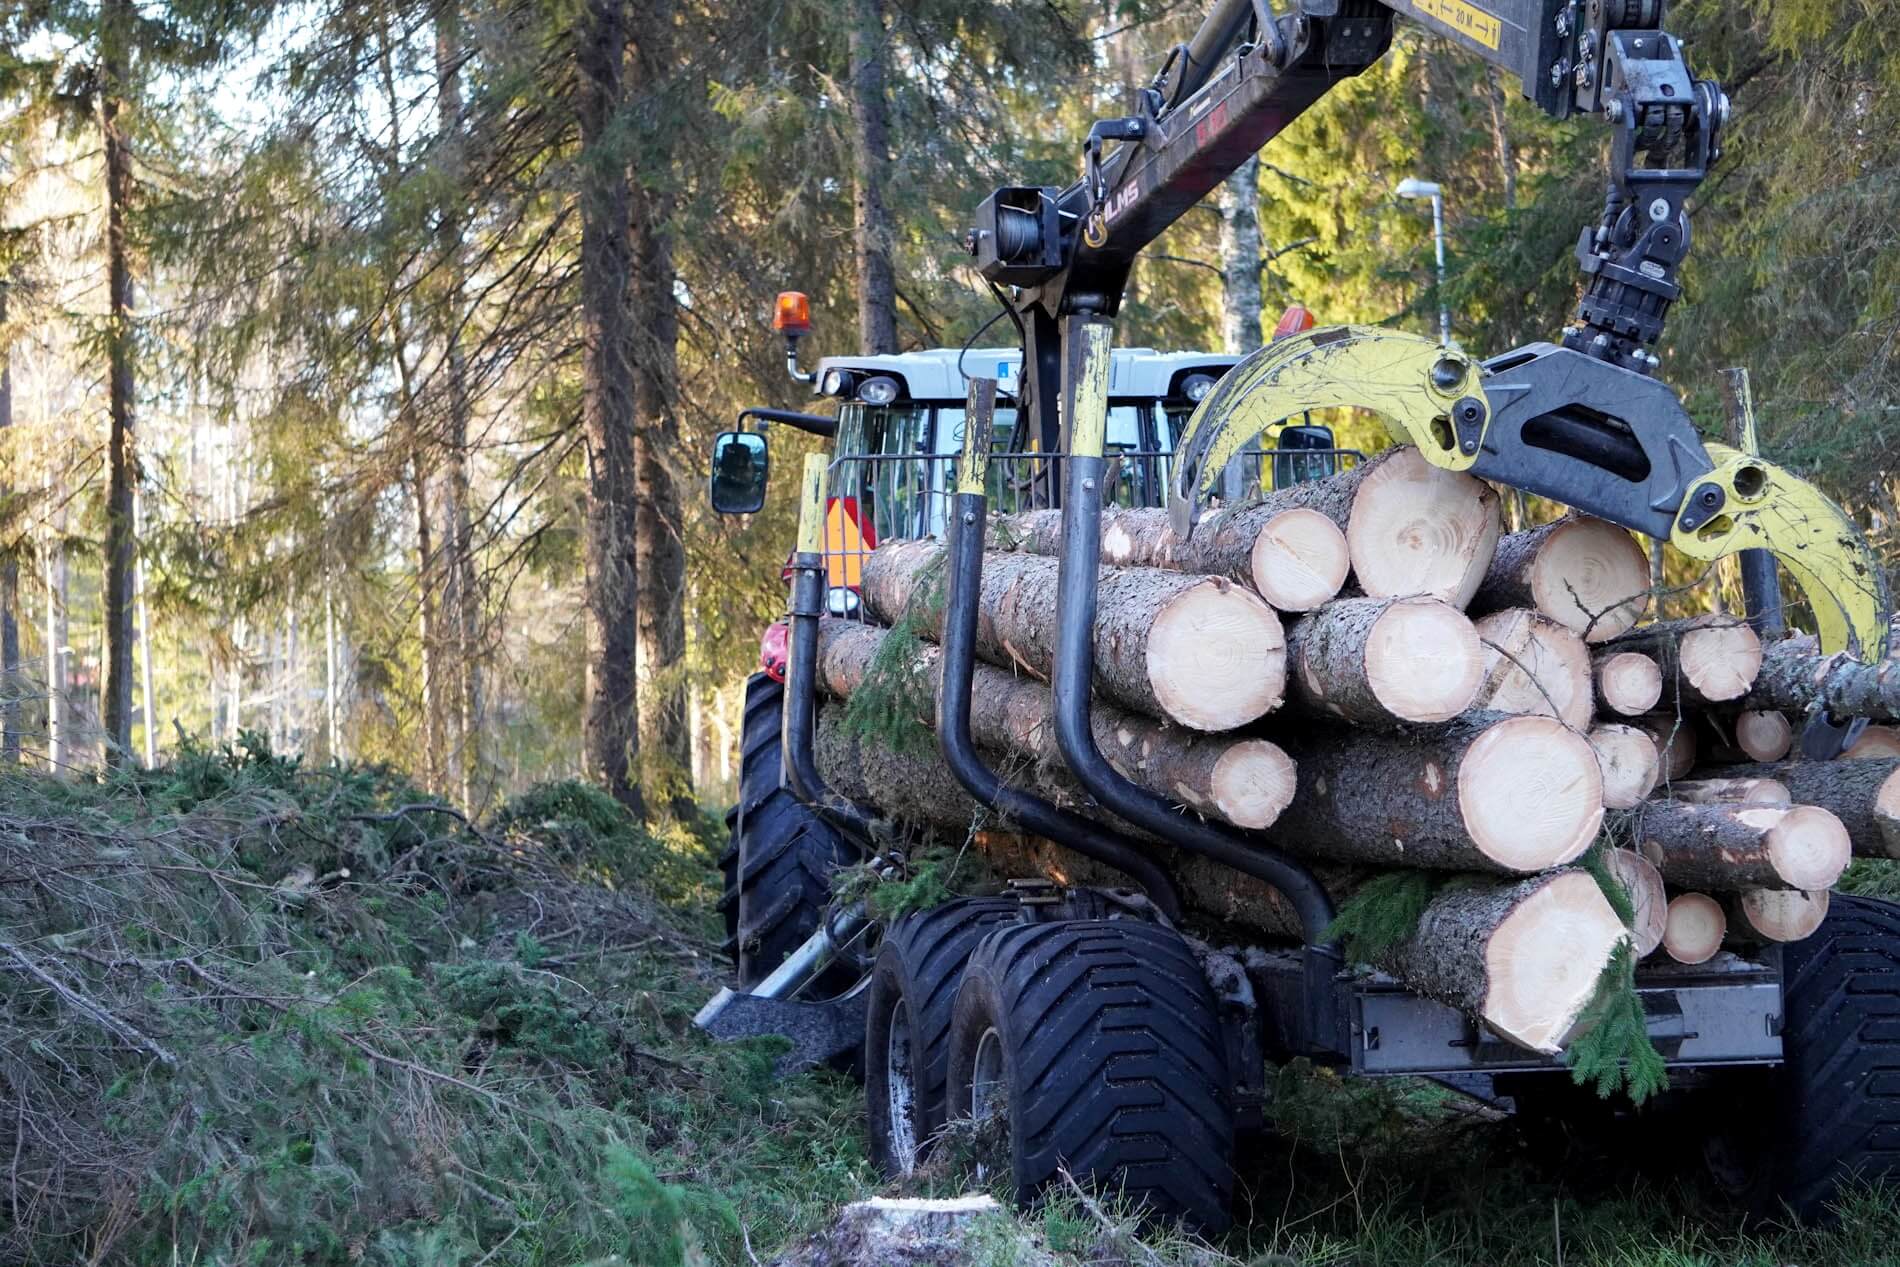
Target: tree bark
[
  {"x": 1410, "y": 527},
  {"x": 1239, "y": 207},
  {"x": 429, "y": 631},
  {"x": 660, "y": 520},
  {"x": 12, "y": 680},
  {"x": 1485, "y": 792},
  {"x": 1245, "y": 782},
  {"x": 1523, "y": 957},
  {"x": 1532, "y": 664},
  {"x": 1704, "y": 660},
  {"x": 1628, "y": 682},
  {"x": 1200, "y": 651},
  {"x": 1630, "y": 764},
  {"x": 1729, "y": 847},
  {"x": 1863, "y": 794},
  {"x": 871, "y": 152},
  {"x": 115, "y": 25},
  {"x": 1384, "y": 662},
  {"x": 1292, "y": 556},
  {"x": 1589, "y": 576},
  {"x": 1795, "y": 677},
  {"x": 611, "y": 725}
]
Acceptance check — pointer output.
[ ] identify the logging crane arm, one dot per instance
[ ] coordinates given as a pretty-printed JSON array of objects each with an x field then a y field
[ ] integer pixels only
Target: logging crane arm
[{"x": 1582, "y": 420}]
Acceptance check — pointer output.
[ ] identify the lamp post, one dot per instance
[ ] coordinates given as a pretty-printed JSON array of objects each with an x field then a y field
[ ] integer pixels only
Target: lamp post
[{"x": 1412, "y": 187}]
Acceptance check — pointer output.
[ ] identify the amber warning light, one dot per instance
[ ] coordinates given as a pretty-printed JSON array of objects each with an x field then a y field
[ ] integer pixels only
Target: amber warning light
[{"x": 792, "y": 314}]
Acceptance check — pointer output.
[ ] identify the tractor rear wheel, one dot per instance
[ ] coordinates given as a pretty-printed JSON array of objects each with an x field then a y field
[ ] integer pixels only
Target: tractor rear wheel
[
  {"x": 779, "y": 863},
  {"x": 1095, "y": 1046}
]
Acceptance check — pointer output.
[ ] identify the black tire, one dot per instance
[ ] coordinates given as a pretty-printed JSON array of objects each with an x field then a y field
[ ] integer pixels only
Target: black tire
[
  {"x": 1099, "y": 1045},
  {"x": 790, "y": 853},
  {"x": 907, "y": 1023},
  {"x": 1838, "y": 1100}
]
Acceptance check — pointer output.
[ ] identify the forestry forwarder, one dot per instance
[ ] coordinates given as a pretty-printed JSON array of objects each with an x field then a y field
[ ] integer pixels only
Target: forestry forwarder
[{"x": 1804, "y": 1032}]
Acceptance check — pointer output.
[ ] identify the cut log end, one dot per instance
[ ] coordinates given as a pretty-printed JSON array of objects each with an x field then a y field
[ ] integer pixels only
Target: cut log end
[
  {"x": 1783, "y": 914},
  {"x": 1764, "y": 735},
  {"x": 1629, "y": 682},
  {"x": 1530, "y": 793},
  {"x": 1216, "y": 657},
  {"x": 1417, "y": 529},
  {"x": 1252, "y": 782},
  {"x": 1809, "y": 847},
  {"x": 1630, "y": 764},
  {"x": 1423, "y": 661},
  {"x": 1592, "y": 577},
  {"x": 1532, "y": 664},
  {"x": 1719, "y": 657},
  {"x": 1649, "y": 903},
  {"x": 1750, "y": 791},
  {"x": 1694, "y": 928},
  {"x": 1874, "y": 743},
  {"x": 1299, "y": 560},
  {"x": 1542, "y": 963}
]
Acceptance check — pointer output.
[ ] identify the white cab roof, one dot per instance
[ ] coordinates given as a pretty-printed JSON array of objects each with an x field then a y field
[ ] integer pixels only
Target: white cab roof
[{"x": 933, "y": 374}]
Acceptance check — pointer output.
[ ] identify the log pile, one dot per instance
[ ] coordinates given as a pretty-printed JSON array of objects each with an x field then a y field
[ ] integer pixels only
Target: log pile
[{"x": 1362, "y": 672}]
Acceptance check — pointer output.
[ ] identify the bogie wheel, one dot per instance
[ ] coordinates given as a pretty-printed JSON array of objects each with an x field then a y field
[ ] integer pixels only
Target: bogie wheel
[
  {"x": 1834, "y": 1112},
  {"x": 775, "y": 903},
  {"x": 1095, "y": 1047},
  {"x": 907, "y": 1023}
]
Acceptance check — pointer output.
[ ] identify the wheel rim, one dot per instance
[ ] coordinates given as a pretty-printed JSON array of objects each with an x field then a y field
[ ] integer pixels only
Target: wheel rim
[
  {"x": 901, "y": 1091},
  {"x": 990, "y": 1147}
]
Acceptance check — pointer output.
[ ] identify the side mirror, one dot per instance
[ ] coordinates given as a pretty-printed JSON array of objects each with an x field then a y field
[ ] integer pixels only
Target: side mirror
[
  {"x": 1302, "y": 454},
  {"x": 740, "y": 464}
]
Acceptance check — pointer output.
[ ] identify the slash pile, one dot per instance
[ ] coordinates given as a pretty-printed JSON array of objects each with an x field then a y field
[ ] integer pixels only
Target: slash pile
[{"x": 1365, "y": 672}]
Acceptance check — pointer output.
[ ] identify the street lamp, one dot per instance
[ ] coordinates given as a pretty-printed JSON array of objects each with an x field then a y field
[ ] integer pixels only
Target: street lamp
[{"x": 1412, "y": 187}]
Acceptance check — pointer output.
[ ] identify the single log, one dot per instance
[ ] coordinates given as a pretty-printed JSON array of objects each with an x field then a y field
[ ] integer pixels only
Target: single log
[
  {"x": 1764, "y": 734},
  {"x": 1675, "y": 742},
  {"x": 1864, "y": 795},
  {"x": 1382, "y": 662},
  {"x": 1291, "y": 555},
  {"x": 1694, "y": 928},
  {"x": 1875, "y": 743},
  {"x": 1704, "y": 660},
  {"x": 1532, "y": 664},
  {"x": 1243, "y": 781},
  {"x": 1411, "y": 528},
  {"x": 1780, "y": 914},
  {"x": 1741, "y": 846},
  {"x": 1485, "y": 792},
  {"x": 1588, "y": 575},
  {"x": 1523, "y": 957},
  {"x": 909, "y": 786},
  {"x": 1795, "y": 677},
  {"x": 1649, "y": 903},
  {"x": 1630, "y": 764},
  {"x": 1732, "y": 791},
  {"x": 1200, "y": 651},
  {"x": 1628, "y": 682}
]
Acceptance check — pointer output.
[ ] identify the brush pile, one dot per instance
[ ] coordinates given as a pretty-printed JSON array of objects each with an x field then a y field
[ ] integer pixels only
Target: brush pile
[{"x": 1513, "y": 785}]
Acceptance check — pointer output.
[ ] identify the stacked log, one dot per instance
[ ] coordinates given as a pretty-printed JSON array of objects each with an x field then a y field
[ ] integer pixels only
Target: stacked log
[{"x": 1587, "y": 575}]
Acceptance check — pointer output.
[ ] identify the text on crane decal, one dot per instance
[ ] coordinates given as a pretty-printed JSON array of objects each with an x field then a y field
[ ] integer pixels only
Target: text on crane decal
[{"x": 1466, "y": 19}]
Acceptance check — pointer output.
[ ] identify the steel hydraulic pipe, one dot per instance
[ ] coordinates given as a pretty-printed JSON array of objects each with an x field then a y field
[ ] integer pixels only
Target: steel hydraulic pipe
[
  {"x": 1085, "y": 388},
  {"x": 1217, "y": 35},
  {"x": 801, "y": 685}
]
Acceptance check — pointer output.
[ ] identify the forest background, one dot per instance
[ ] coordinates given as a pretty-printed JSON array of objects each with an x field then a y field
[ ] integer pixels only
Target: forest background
[{"x": 360, "y": 359}]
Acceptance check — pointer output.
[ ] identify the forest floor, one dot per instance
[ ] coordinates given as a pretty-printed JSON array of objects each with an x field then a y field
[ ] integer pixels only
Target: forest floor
[{"x": 252, "y": 1012}]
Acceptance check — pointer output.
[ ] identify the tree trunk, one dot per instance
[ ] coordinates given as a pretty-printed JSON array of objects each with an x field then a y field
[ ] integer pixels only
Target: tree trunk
[
  {"x": 1245, "y": 782},
  {"x": 1630, "y": 764},
  {"x": 12, "y": 680},
  {"x": 1239, "y": 207},
  {"x": 429, "y": 632},
  {"x": 1293, "y": 557},
  {"x": 1649, "y": 902},
  {"x": 1523, "y": 957},
  {"x": 1780, "y": 915},
  {"x": 871, "y": 153},
  {"x": 1795, "y": 676},
  {"x": 1587, "y": 575},
  {"x": 660, "y": 525},
  {"x": 1704, "y": 660},
  {"x": 116, "y": 19},
  {"x": 1384, "y": 662},
  {"x": 1485, "y": 792},
  {"x": 1200, "y": 651},
  {"x": 58, "y": 715},
  {"x": 1728, "y": 847},
  {"x": 1863, "y": 794},
  {"x": 1693, "y": 928},
  {"x": 1628, "y": 682},
  {"x": 1532, "y": 664},
  {"x": 1410, "y": 527},
  {"x": 611, "y": 725},
  {"x": 147, "y": 688}
]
